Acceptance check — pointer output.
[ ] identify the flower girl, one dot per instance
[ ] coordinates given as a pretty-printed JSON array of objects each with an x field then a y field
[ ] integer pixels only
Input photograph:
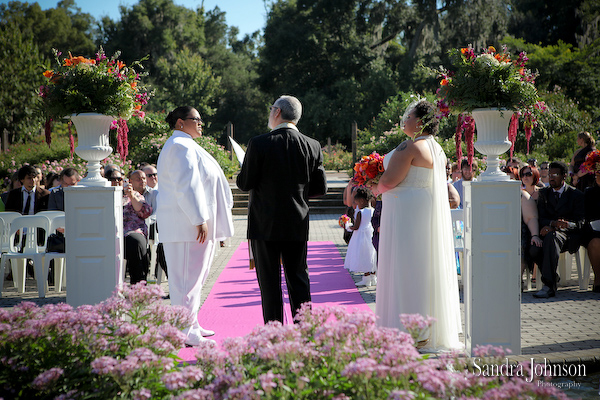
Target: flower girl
[{"x": 361, "y": 255}]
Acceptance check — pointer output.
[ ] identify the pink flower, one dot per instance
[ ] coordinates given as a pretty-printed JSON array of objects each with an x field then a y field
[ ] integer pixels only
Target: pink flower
[{"x": 47, "y": 378}]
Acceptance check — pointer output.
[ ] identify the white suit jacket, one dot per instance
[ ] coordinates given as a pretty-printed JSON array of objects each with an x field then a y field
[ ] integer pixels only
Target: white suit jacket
[{"x": 193, "y": 190}]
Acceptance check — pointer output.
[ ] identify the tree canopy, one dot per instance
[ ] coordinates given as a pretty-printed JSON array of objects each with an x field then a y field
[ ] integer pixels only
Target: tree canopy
[{"x": 345, "y": 59}]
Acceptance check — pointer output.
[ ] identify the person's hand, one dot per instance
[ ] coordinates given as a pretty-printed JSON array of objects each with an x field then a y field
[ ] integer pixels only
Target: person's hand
[
  {"x": 561, "y": 224},
  {"x": 575, "y": 179},
  {"x": 202, "y": 232},
  {"x": 128, "y": 191},
  {"x": 545, "y": 230},
  {"x": 375, "y": 190},
  {"x": 536, "y": 241}
]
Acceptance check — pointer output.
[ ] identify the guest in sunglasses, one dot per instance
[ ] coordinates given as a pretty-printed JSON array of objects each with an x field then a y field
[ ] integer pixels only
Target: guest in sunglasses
[{"x": 530, "y": 176}]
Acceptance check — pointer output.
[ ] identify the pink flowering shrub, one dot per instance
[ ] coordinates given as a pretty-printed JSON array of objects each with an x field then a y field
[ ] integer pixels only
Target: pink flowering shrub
[{"x": 125, "y": 348}]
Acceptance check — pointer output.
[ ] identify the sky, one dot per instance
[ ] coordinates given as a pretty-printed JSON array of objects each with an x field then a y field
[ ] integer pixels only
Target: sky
[{"x": 247, "y": 15}]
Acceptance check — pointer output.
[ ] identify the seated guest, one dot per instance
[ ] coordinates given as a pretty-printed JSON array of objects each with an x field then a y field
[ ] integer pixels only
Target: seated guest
[
  {"x": 68, "y": 177},
  {"x": 531, "y": 243},
  {"x": 467, "y": 174},
  {"x": 135, "y": 231},
  {"x": 53, "y": 180},
  {"x": 591, "y": 235},
  {"x": 151, "y": 176},
  {"x": 14, "y": 183},
  {"x": 150, "y": 193},
  {"x": 28, "y": 199},
  {"x": 561, "y": 215},
  {"x": 530, "y": 177},
  {"x": 544, "y": 179}
]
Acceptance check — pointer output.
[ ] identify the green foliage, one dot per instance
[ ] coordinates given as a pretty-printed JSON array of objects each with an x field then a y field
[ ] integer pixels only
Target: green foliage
[
  {"x": 19, "y": 81},
  {"x": 384, "y": 133},
  {"x": 148, "y": 135},
  {"x": 186, "y": 79},
  {"x": 563, "y": 124},
  {"x": 567, "y": 68},
  {"x": 336, "y": 72},
  {"x": 337, "y": 158},
  {"x": 64, "y": 27}
]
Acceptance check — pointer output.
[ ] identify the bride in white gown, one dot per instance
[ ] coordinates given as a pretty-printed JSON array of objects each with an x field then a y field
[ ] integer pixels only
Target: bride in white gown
[{"x": 417, "y": 274}]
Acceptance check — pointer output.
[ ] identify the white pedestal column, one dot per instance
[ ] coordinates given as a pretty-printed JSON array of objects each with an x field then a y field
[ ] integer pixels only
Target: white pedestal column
[
  {"x": 492, "y": 275},
  {"x": 94, "y": 246}
]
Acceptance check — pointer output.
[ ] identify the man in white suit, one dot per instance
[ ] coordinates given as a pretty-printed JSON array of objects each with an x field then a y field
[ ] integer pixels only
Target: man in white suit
[{"x": 194, "y": 213}]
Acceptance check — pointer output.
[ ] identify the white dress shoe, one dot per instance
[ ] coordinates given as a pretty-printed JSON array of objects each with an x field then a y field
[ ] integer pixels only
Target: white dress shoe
[
  {"x": 366, "y": 281},
  {"x": 193, "y": 340},
  {"x": 206, "y": 332},
  {"x": 373, "y": 279}
]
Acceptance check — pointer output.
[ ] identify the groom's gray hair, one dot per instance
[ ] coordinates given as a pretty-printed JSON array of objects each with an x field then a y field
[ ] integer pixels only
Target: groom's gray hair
[{"x": 291, "y": 108}]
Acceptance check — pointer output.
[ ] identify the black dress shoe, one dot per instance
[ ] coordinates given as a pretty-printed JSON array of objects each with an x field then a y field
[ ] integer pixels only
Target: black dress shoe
[
  {"x": 545, "y": 293},
  {"x": 596, "y": 289}
]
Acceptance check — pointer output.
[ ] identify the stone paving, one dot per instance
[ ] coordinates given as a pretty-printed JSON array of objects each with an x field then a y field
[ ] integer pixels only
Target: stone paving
[{"x": 565, "y": 328}]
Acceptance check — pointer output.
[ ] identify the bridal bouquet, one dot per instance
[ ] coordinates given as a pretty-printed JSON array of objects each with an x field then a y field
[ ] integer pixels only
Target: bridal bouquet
[
  {"x": 368, "y": 170},
  {"x": 592, "y": 162},
  {"x": 343, "y": 221}
]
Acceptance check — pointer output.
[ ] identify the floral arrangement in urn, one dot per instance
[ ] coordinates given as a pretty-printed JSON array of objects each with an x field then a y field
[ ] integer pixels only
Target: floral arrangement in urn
[
  {"x": 100, "y": 85},
  {"x": 489, "y": 79}
]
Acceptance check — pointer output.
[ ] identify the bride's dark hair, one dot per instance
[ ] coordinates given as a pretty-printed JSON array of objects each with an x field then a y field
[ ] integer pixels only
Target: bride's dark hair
[
  {"x": 425, "y": 111},
  {"x": 179, "y": 112}
]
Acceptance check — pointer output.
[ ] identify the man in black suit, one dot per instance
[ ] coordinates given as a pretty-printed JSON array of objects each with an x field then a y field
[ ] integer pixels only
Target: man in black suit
[
  {"x": 561, "y": 215},
  {"x": 281, "y": 169},
  {"x": 68, "y": 177},
  {"x": 30, "y": 198}
]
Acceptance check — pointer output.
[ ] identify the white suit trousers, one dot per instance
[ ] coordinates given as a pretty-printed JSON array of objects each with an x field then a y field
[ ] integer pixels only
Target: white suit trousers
[{"x": 188, "y": 264}]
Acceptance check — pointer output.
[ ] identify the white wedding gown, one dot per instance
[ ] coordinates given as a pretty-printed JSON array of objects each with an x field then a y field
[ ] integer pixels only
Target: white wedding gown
[{"x": 416, "y": 273}]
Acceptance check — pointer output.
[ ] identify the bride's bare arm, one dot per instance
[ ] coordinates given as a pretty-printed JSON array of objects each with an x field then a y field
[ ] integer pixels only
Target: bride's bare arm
[{"x": 398, "y": 167}]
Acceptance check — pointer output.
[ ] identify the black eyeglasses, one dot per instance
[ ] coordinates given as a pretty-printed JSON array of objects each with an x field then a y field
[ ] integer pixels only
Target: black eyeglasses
[
  {"x": 527, "y": 174},
  {"x": 544, "y": 168},
  {"x": 197, "y": 119},
  {"x": 151, "y": 175},
  {"x": 116, "y": 179}
]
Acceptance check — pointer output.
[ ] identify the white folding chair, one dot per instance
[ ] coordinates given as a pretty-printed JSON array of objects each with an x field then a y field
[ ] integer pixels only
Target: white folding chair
[
  {"x": 6, "y": 218},
  {"x": 458, "y": 232},
  {"x": 565, "y": 264},
  {"x": 31, "y": 250},
  {"x": 59, "y": 258}
]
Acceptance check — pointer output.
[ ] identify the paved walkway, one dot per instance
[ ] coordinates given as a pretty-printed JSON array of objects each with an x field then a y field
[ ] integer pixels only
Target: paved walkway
[{"x": 565, "y": 328}]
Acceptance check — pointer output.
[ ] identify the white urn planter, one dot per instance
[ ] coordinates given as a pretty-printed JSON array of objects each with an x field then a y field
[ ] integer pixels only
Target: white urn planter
[
  {"x": 93, "y": 145},
  {"x": 492, "y": 139}
]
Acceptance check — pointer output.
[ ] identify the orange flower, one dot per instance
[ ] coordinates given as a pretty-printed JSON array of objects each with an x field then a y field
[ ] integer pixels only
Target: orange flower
[
  {"x": 72, "y": 61},
  {"x": 48, "y": 74},
  {"x": 444, "y": 82},
  {"x": 464, "y": 50},
  {"x": 492, "y": 49},
  {"x": 138, "y": 107},
  {"x": 133, "y": 84},
  {"x": 120, "y": 64},
  {"x": 522, "y": 71}
]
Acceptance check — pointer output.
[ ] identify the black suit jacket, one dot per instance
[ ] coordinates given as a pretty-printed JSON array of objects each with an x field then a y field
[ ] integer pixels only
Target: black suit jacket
[
  {"x": 56, "y": 200},
  {"x": 281, "y": 169},
  {"x": 14, "y": 201},
  {"x": 570, "y": 207}
]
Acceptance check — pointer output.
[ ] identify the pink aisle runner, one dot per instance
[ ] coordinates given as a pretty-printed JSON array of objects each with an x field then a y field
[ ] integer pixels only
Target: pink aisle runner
[{"x": 233, "y": 307}]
